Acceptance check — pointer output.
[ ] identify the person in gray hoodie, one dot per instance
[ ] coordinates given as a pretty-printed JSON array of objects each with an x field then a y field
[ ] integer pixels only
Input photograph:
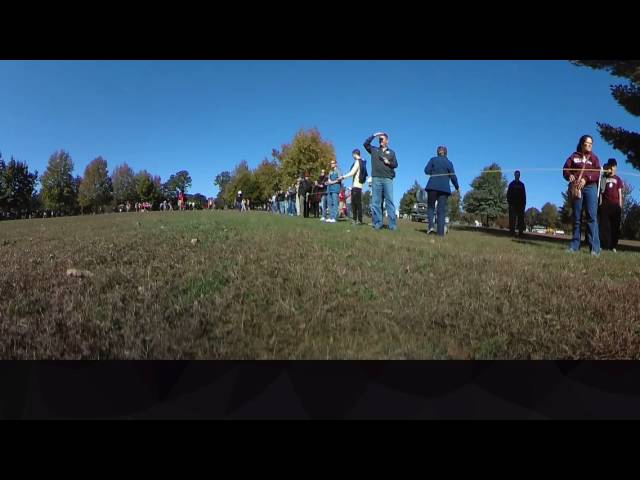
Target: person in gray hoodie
[{"x": 441, "y": 172}]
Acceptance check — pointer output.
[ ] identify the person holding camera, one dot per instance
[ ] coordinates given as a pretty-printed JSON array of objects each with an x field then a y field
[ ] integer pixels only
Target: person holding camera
[
  {"x": 582, "y": 171},
  {"x": 383, "y": 165}
]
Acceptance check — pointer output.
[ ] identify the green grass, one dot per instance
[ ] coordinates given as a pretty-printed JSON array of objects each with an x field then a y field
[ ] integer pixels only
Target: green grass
[{"x": 258, "y": 286}]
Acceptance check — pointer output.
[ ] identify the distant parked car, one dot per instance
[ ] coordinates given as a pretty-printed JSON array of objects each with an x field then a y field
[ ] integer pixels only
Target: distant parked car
[{"x": 419, "y": 212}]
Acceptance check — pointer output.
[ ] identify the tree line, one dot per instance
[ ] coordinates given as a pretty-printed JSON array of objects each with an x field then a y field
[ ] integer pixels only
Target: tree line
[{"x": 94, "y": 192}]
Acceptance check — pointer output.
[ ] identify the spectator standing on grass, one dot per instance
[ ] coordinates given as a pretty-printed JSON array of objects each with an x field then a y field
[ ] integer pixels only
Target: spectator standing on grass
[
  {"x": 333, "y": 190},
  {"x": 358, "y": 174},
  {"x": 313, "y": 200},
  {"x": 239, "y": 200},
  {"x": 611, "y": 203},
  {"x": 582, "y": 171},
  {"x": 287, "y": 196},
  {"x": 321, "y": 186},
  {"x": 517, "y": 199},
  {"x": 347, "y": 202},
  {"x": 305, "y": 194},
  {"x": 441, "y": 172},
  {"x": 292, "y": 200},
  {"x": 383, "y": 165},
  {"x": 342, "y": 198},
  {"x": 299, "y": 206}
]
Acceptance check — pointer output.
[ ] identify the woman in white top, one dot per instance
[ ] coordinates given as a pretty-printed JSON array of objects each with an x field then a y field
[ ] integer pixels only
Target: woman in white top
[{"x": 356, "y": 189}]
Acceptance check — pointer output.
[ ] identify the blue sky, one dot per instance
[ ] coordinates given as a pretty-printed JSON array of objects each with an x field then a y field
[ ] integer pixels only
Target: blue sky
[{"x": 205, "y": 116}]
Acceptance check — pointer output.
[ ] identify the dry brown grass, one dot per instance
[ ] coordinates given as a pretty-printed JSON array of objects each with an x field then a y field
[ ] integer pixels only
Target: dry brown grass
[{"x": 257, "y": 286}]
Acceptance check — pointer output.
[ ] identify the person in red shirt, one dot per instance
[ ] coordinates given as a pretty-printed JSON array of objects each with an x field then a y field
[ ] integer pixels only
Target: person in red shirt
[
  {"x": 583, "y": 168},
  {"x": 611, "y": 202}
]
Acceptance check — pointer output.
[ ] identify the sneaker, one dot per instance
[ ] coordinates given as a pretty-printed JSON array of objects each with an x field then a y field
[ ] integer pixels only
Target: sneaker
[
  {"x": 595, "y": 254},
  {"x": 613, "y": 250},
  {"x": 570, "y": 250},
  {"x": 322, "y": 219}
]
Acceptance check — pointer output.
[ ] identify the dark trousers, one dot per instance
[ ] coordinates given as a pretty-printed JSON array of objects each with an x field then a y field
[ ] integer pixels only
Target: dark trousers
[
  {"x": 610, "y": 218},
  {"x": 356, "y": 204},
  {"x": 305, "y": 208},
  {"x": 516, "y": 212},
  {"x": 441, "y": 198}
]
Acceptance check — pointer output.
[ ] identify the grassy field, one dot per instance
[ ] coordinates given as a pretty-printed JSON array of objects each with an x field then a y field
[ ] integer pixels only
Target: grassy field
[{"x": 258, "y": 286}]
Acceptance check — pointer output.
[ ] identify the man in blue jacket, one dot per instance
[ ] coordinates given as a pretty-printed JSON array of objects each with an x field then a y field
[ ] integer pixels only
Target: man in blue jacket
[
  {"x": 383, "y": 164},
  {"x": 440, "y": 169}
]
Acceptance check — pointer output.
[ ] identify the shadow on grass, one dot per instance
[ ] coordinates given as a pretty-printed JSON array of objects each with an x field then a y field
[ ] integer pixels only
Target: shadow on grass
[{"x": 532, "y": 238}]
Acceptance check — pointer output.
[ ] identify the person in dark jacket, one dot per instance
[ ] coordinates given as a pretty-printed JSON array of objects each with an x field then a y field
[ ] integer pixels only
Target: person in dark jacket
[
  {"x": 611, "y": 206},
  {"x": 238, "y": 200},
  {"x": 383, "y": 165},
  {"x": 305, "y": 193},
  {"x": 441, "y": 172},
  {"x": 582, "y": 168},
  {"x": 517, "y": 199}
]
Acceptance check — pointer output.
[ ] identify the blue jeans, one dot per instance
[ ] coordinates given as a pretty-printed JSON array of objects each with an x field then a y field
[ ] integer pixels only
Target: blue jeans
[
  {"x": 323, "y": 205},
  {"x": 589, "y": 200},
  {"x": 282, "y": 206},
  {"x": 440, "y": 197},
  {"x": 333, "y": 205},
  {"x": 382, "y": 188}
]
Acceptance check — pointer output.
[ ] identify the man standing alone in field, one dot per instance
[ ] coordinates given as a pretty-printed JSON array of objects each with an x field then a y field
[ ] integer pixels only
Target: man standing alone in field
[{"x": 517, "y": 199}]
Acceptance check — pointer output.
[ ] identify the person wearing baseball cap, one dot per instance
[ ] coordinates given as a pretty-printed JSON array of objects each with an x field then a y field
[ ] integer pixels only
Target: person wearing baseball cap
[{"x": 611, "y": 203}]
